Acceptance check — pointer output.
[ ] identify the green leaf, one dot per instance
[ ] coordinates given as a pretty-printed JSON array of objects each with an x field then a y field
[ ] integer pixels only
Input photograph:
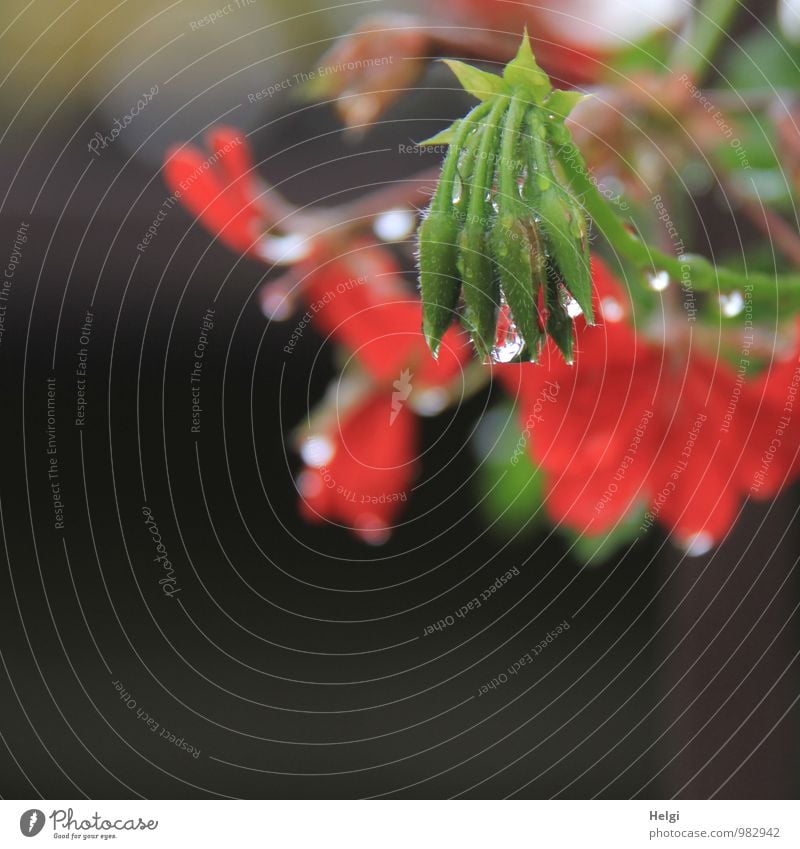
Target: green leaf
[
  {"x": 523, "y": 73},
  {"x": 762, "y": 59},
  {"x": 478, "y": 83}
]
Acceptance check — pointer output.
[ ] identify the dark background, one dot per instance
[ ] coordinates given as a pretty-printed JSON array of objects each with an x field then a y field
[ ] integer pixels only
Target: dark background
[{"x": 293, "y": 657}]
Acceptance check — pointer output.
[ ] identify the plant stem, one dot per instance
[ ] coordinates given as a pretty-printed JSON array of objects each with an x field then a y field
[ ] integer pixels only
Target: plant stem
[
  {"x": 692, "y": 271},
  {"x": 693, "y": 50}
]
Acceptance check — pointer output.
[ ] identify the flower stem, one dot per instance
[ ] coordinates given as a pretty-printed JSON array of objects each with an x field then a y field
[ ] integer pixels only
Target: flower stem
[
  {"x": 691, "y": 270},
  {"x": 693, "y": 50}
]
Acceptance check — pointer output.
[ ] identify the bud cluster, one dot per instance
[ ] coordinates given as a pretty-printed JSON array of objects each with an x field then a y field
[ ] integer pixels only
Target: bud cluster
[{"x": 503, "y": 229}]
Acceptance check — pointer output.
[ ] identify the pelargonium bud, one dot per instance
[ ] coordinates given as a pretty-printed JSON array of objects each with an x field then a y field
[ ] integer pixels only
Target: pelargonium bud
[{"x": 504, "y": 226}]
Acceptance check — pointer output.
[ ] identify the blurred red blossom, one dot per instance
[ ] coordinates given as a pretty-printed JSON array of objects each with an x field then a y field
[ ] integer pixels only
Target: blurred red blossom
[
  {"x": 361, "y": 472},
  {"x": 666, "y": 428},
  {"x": 672, "y": 430}
]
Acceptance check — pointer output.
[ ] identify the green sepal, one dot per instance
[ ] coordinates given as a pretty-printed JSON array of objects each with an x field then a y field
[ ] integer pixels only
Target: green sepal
[
  {"x": 478, "y": 83},
  {"x": 446, "y": 136},
  {"x": 438, "y": 274},
  {"x": 524, "y": 74},
  {"x": 564, "y": 225},
  {"x": 513, "y": 249},
  {"x": 560, "y": 102},
  {"x": 559, "y": 324},
  {"x": 480, "y": 286}
]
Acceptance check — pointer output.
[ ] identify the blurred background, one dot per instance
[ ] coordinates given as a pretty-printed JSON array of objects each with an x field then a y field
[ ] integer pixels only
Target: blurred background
[{"x": 295, "y": 661}]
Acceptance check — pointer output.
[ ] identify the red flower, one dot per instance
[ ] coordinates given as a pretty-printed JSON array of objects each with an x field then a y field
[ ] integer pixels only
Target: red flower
[
  {"x": 220, "y": 189},
  {"x": 360, "y": 474},
  {"x": 668, "y": 428},
  {"x": 361, "y": 300}
]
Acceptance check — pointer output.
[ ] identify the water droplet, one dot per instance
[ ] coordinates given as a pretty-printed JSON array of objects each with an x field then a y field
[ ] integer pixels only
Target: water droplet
[
  {"x": 611, "y": 309},
  {"x": 430, "y": 401},
  {"x": 371, "y": 529},
  {"x": 317, "y": 451},
  {"x": 697, "y": 544},
  {"x": 458, "y": 189},
  {"x": 394, "y": 225},
  {"x": 659, "y": 281},
  {"x": 285, "y": 250},
  {"x": 278, "y": 299},
  {"x": 309, "y": 484},
  {"x": 732, "y": 304},
  {"x": 509, "y": 345},
  {"x": 570, "y": 305}
]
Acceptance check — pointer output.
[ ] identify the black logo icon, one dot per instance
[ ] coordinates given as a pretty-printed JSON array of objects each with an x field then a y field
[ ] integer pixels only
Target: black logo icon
[{"x": 31, "y": 822}]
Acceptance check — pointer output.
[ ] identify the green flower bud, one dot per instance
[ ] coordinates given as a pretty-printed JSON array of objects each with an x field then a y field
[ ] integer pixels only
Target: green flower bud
[
  {"x": 502, "y": 224},
  {"x": 514, "y": 250},
  {"x": 438, "y": 241},
  {"x": 481, "y": 290},
  {"x": 438, "y": 274}
]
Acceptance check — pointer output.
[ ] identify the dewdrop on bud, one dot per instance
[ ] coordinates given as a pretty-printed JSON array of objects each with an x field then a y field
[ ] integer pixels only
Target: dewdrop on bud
[
  {"x": 504, "y": 220},
  {"x": 317, "y": 451},
  {"x": 658, "y": 281},
  {"x": 284, "y": 250},
  {"x": 278, "y": 299},
  {"x": 430, "y": 401},
  {"x": 732, "y": 304},
  {"x": 394, "y": 225},
  {"x": 697, "y": 544},
  {"x": 371, "y": 529}
]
